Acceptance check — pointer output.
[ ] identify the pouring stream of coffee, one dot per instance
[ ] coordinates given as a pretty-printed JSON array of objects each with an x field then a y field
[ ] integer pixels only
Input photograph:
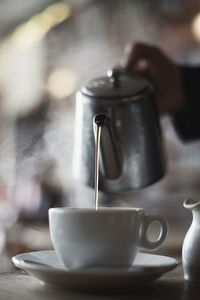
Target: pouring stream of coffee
[{"x": 99, "y": 121}]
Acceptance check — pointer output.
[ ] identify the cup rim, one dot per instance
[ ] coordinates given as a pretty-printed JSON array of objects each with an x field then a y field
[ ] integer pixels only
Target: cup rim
[{"x": 69, "y": 209}]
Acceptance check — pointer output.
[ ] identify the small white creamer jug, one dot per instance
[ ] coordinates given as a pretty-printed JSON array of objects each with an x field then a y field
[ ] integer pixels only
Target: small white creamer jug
[{"x": 191, "y": 244}]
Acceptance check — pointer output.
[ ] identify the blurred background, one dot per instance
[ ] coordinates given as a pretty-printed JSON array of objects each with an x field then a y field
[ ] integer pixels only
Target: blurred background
[{"x": 47, "y": 50}]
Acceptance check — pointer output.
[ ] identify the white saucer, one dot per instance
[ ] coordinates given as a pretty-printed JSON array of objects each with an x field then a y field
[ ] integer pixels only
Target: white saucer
[{"x": 46, "y": 266}]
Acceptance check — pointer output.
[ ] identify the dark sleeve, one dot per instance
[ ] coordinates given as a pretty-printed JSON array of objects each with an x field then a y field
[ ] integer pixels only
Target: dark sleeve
[{"x": 187, "y": 122}]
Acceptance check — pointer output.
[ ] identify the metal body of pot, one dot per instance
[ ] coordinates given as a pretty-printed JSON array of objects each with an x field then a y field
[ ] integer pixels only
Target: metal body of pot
[{"x": 131, "y": 141}]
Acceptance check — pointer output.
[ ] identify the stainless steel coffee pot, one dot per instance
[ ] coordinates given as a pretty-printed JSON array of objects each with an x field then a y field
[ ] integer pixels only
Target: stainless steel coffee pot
[{"x": 131, "y": 141}]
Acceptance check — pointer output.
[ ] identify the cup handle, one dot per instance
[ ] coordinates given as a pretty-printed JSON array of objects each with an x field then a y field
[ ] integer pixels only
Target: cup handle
[{"x": 145, "y": 242}]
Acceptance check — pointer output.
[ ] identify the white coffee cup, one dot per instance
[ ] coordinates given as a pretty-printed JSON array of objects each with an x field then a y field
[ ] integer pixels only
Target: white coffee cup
[{"x": 109, "y": 237}]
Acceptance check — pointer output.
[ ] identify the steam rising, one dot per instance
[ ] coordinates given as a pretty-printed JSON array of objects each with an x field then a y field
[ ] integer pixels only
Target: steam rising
[{"x": 37, "y": 144}]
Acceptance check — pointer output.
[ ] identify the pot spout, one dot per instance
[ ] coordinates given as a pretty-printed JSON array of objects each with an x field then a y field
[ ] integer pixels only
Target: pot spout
[
  {"x": 110, "y": 163},
  {"x": 190, "y": 204}
]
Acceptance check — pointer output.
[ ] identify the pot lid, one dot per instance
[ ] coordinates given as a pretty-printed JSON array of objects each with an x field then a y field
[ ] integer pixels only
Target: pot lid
[{"x": 117, "y": 84}]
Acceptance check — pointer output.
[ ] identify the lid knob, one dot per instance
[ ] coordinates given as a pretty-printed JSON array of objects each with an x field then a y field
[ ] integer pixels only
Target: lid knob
[{"x": 114, "y": 75}]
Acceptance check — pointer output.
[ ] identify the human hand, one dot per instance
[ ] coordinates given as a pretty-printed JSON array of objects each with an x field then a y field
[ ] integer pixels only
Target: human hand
[{"x": 164, "y": 75}]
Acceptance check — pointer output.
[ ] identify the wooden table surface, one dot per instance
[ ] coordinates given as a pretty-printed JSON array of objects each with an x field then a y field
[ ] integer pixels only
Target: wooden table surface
[{"x": 17, "y": 285}]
